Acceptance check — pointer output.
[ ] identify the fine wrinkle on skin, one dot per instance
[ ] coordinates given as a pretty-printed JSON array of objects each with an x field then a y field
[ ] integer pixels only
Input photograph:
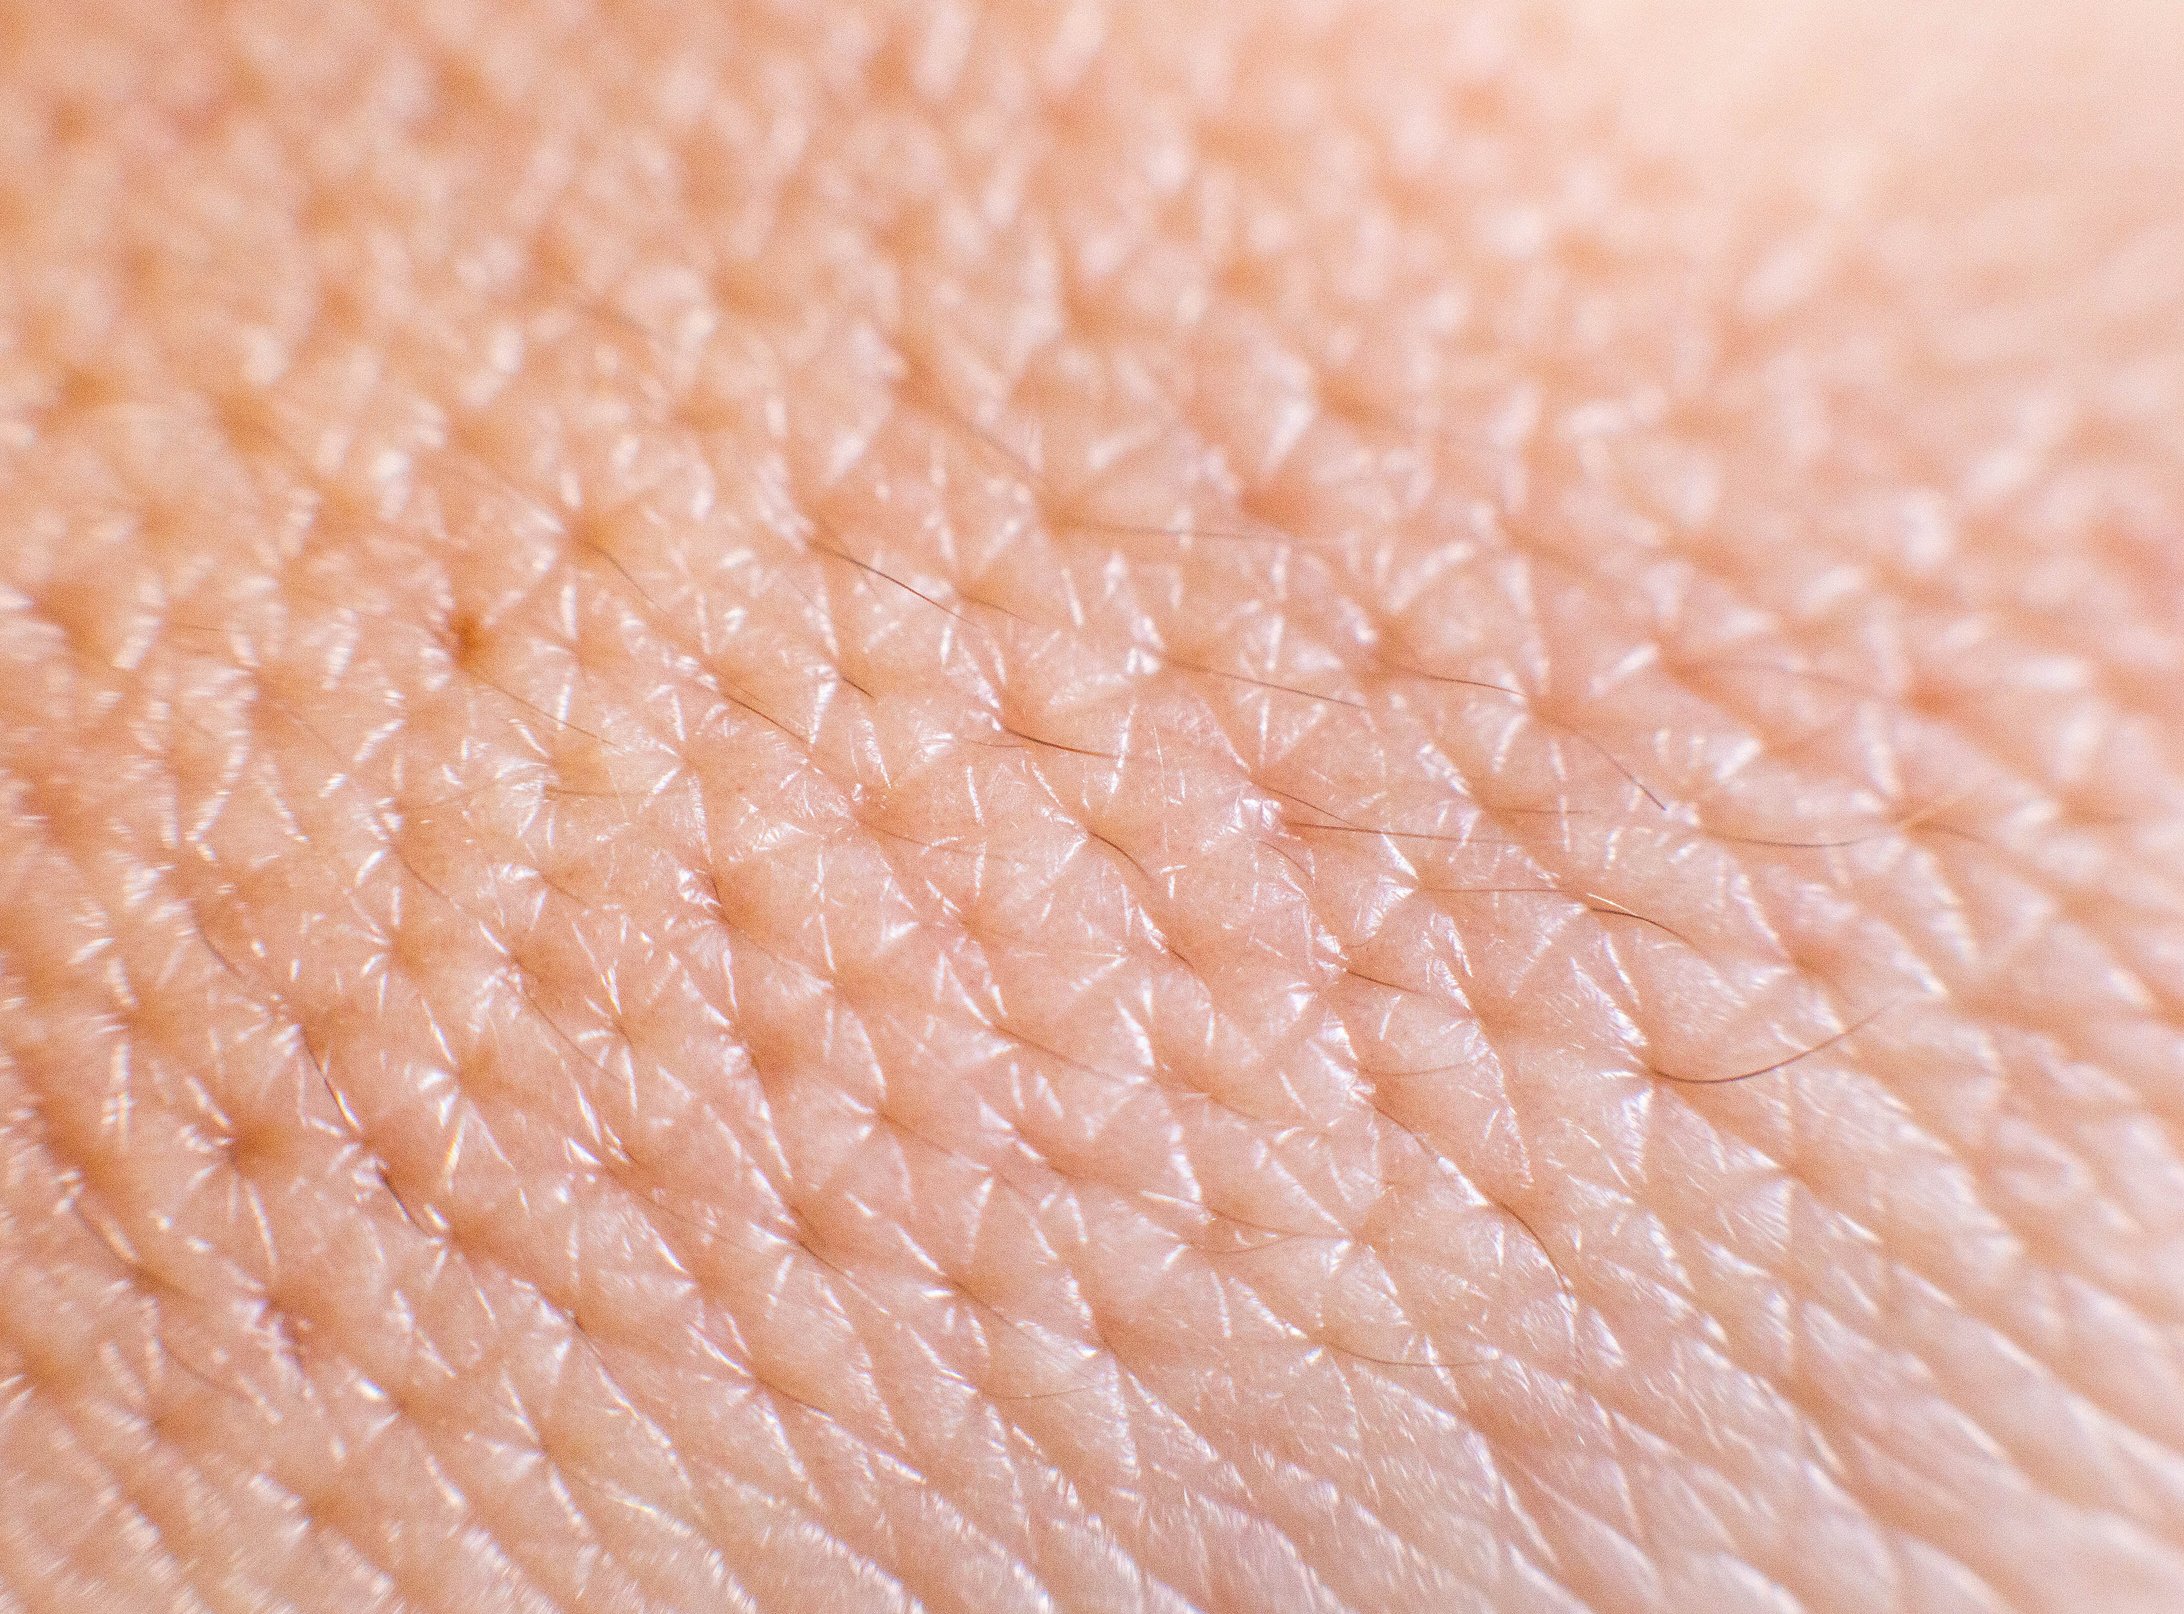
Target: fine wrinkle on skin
[{"x": 519, "y": 713}]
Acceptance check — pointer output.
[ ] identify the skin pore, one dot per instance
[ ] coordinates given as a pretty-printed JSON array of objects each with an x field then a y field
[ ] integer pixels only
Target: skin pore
[{"x": 1114, "y": 806}]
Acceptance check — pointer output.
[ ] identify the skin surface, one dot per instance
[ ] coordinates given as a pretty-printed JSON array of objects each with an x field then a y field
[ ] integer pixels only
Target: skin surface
[{"x": 1117, "y": 806}]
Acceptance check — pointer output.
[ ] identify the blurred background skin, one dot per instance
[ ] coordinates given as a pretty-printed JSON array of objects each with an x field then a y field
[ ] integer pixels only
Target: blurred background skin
[{"x": 1091, "y": 806}]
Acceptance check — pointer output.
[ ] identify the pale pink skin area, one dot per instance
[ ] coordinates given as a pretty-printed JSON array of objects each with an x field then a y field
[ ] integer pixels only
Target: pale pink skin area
[{"x": 1137, "y": 806}]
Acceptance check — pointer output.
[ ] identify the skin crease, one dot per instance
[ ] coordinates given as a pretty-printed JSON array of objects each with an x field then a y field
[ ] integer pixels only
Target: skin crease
[{"x": 1299, "y": 807}]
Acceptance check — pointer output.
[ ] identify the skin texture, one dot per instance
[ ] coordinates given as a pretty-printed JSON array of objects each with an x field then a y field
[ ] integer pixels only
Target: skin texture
[{"x": 1090, "y": 807}]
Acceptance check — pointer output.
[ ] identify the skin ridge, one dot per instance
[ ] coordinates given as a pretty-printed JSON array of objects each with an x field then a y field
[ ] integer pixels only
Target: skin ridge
[{"x": 894, "y": 857}]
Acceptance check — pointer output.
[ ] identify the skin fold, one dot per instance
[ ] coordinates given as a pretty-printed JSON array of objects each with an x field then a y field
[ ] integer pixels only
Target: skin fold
[{"x": 1091, "y": 806}]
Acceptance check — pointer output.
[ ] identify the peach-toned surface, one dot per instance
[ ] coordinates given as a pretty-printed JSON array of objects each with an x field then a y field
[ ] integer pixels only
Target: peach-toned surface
[{"x": 883, "y": 806}]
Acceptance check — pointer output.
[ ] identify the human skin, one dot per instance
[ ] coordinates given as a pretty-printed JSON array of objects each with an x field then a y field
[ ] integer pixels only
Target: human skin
[{"x": 1090, "y": 807}]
